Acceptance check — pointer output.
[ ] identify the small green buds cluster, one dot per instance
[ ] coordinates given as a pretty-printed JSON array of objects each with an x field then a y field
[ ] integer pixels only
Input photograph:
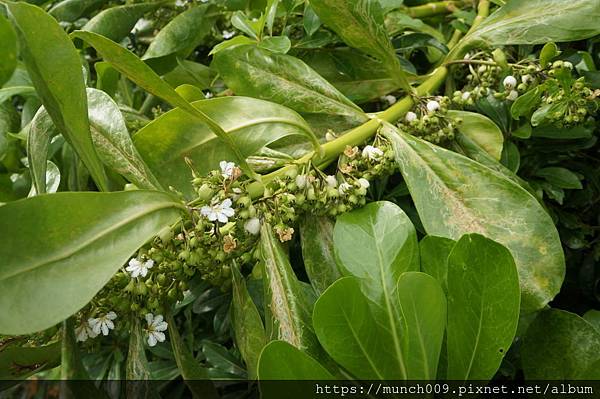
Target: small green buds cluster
[{"x": 429, "y": 120}]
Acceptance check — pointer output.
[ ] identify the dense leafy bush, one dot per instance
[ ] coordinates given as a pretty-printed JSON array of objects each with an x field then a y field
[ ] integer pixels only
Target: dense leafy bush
[{"x": 285, "y": 189}]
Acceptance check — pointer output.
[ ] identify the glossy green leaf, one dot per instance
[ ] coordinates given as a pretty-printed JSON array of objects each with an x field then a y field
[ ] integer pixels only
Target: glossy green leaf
[
  {"x": 72, "y": 10},
  {"x": 60, "y": 85},
  {"x": 281, "y": 361},
  {"x": 483, "y": 307},
  {"x": 8, "y": 49},
  {"x": 592, "y": 316},
  {"x": 455, "y": 195},
  {"x": 192, "y": 73},
  {"x": 137, "y": 71},
  {"x": 252, "y": 71},
  {"x": 249, "y": 332},
  {"x": 423, "y": 308},
  {"x": 18, "y": 363},
  {"x": 560, "y": 345},
  {"x": 116, "y": 22},
  {"x": 560, "y": 177},
  {"x": 195, "y": 376},
  {"x": 276, "y": 44},
  {"x": 113, "y": 143},
  {"x": 289, "y": 309},
  {"x": 348, "y": 330},
  {"x": 434, "y": 252},
  {"x": 377, "y": 243},
  {"x": 536, "y": 22},
  {"x": 526, "y": 103},
  {"x": 250, "y": 123},
  {"x": 316, "y": 234},
  {"x": 109, "y": 135},
  {"x": 361, "y": 25},
  {"x": 481, "y": 130},
  {"x": 9, "y": 92},
  {"x": 63, "y": 253},
  {"x": 548, "y": 52},
  {"x": 137, "y": 368},
  {"x": 182, "y": 34}
]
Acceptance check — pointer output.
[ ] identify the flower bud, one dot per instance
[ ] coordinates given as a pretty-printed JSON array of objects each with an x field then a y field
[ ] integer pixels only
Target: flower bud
[{"x": 509, "y": 82}]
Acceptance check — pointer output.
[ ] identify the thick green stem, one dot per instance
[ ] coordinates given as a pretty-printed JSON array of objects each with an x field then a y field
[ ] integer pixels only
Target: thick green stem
[{"x": 436, "y": 8}]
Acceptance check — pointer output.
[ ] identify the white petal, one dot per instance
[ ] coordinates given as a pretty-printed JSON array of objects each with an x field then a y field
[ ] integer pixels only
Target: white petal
[
  {"x": 222, "y": 218},
  {"x": 212, "y": 216},
  {"x": 109, "y": 324},
  {"x": 92, "y": 322},
  {"x": 160, "y": 337},
  {"x": 136, "y": 272},
  {"x": 229, "y": 212},
  {"x": 149, "y": 264},
  {"x": 104, "y": 329},
  {"x": 252, "y": 226},
  {"x": 162, "y": 326},
  {"x": 149, "y": 318},
  {"x": 158, "y": 319},
  {"x": 205, "y": 210},
  {"x": 134, "y": 262},
  {"x": 227, "y": 203},
  {"x": 151, "y": 339}
]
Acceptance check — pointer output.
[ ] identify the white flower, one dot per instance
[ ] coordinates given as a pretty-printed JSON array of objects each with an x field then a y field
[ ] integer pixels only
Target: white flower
[
  {"x": 466, "y": 95},
  {"x": 391, "y": 100},
  {"x": 526, "y": 79},
  {"x": 227, "y": 34},
  {"x": 331, "y": 181},
  {"x": 220, "y": 212},
  {"x": 103, "y": 323},
  {"x": 509, "y": 82},
  {"x": 344, "y": 188},
  {"x": 252, "y": 226},
  {"x": 83, "y": 332},
  {"x": 301, "y": 181},
  {"x": 512, "y": 96},
  {"x": 208, "y": 94},
  {"x": 364, "y": 183},
  {"x": 372, "y": 153},
  {"x": 433, "y": 106},
  {"x": 410, "y": 116},
  {"x": 227, "y": 169},
  {"x": 156, "y": 326},
  {"x": 236, "y": 193},
  {"x": 567, "y": 65},
  {"x": 137, "y": 268}
]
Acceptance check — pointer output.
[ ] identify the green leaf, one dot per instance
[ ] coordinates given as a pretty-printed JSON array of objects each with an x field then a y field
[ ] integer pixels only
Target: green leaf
[
  {"x": 182, "y": 34},
  {"x": 560, "y": 177},
  {"x": 249, "y": 332},
  {"x": 434, "y": 252},
  {"x": 9, "y": 92},
  {"x": 115, "y": 23},
  {"x": 316, "y": 234},
  {"x": 72, "y": 10},
  {"x": 60, "y": 85},
  {"x": 281, "y": 361},
  {"x": 526, "y": 103},
  {"x": 141, "y": 74},
  {"x": 561, "y": 346},
  {"x": 289, "y": 309},
  {"x": 246, "y": 25},
  {"x": 537, "y": 22},
  {"x": 8, "y": 49},
  {"x": 276, "y": 44},
  {"x": 137, "y": 366},
  {"x": 483, "y": 307},
  {"x": 548, "y": 52},
  {"x": 250, "y": 123},
  {"x": 360, "y": 24},
  {"x": 376, "y": 243},
  {"x": 592, "y": 316},
  {"x": 455, "y": 195},
  {"x": 195, "y": 376},
  {"x": 63, "y": 253},
  {"x": 252, "y": 71},
  {"x": 348, "y": 330},
  {"x": 17, "y": 363},
  {"x": 113, "y": 142},
  {"x": 109, "y": 135},
  {"x": 565, "y": 133},
  {"x": 481, "y": 130},
  {"x": 423, "y": 308}
]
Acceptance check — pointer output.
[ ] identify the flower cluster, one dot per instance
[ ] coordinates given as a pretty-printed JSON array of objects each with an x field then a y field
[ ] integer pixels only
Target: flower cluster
[{"x": 429, "y": 120}]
